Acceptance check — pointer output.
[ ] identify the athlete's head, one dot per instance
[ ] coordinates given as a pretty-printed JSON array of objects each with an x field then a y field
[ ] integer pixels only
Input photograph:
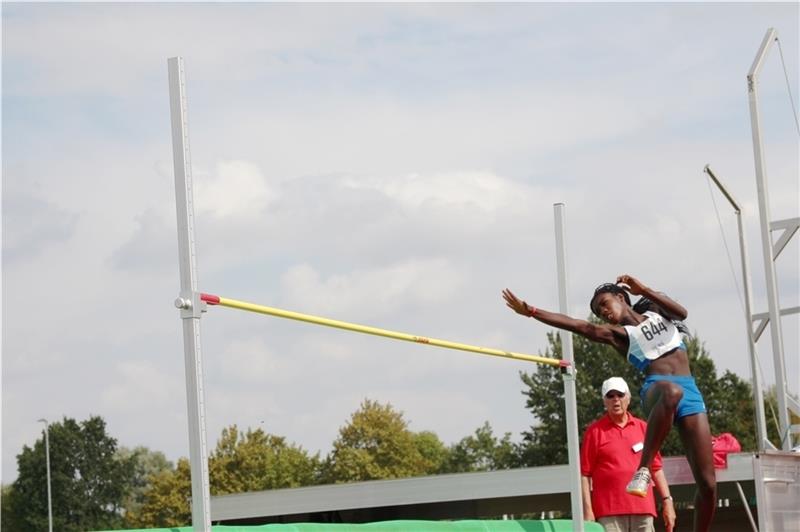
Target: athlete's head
[{"x": 609, "y": 301}]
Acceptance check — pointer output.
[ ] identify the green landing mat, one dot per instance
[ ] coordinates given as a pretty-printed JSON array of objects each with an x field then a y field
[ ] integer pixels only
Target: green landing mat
[{"x": 472, "y": 525}]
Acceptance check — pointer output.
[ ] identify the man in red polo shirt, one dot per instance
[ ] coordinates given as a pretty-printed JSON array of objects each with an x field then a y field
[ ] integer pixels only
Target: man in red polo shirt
[{"x": 609, "y": 457}]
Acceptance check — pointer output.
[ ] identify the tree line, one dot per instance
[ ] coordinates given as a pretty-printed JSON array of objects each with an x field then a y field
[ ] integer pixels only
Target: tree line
[{"x": 99, "y": 484}]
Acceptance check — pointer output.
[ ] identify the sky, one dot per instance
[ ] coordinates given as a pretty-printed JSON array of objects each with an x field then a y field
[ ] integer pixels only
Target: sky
[{"x": 393, "y": 165}]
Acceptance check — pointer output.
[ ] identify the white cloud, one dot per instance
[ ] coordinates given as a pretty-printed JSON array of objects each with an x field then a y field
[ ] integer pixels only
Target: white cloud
[
  {"x": 150, "y": 247},
  {"x": 63, "y": 39},
  {"x": 481, "y": 191},
  {"x": 251, "y": 360},
  {"x": 374, "y": 292},
  {"x": 238, "y": 190},
  {"x": 30, "y": 225},
  {"x": 131, "y": 377}
]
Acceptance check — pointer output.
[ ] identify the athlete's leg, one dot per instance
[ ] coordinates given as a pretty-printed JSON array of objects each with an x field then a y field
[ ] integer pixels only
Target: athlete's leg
[
  {"x": 696, "y": 436},
  {"x": 661, "y": 401}
]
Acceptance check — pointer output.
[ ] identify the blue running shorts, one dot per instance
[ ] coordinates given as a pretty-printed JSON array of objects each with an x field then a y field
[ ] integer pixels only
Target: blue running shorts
[{"x": 692, "y": 402}]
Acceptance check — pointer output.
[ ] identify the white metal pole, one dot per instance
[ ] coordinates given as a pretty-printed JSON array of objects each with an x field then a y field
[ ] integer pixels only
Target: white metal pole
[
  {"x": 47, "y": 458},
  {"x": 570, "y": 393},
  {"x": 766, "y": 240},
  {"x": 758, "y": 392},
  {"x": 189, "y": 299},
  {"x": 758, "y": 395}
]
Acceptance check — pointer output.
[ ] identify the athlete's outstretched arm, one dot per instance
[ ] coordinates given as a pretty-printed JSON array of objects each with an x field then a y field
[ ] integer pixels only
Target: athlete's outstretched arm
[
  {"x": 672, "y": 308},
  {"x": 599, "y": 333}
]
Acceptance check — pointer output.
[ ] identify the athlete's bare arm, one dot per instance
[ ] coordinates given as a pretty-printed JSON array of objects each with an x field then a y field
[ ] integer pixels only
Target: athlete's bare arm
[{"x": 613, "y": 335}]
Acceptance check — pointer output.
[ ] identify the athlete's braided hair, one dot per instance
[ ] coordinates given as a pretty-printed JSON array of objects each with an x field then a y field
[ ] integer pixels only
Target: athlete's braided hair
[
  {"x": 604, "y": 289},
  {"x": 644, "y": 305}
]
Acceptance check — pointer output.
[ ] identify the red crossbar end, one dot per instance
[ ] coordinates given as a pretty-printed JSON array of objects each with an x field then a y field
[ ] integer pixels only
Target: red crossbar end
[
  {"x": 564, "y": 364},
  {"x": 210, "y": 299}
]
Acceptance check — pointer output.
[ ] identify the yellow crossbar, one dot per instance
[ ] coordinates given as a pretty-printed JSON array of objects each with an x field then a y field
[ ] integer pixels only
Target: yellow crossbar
[{"x": 270, "y": 311}]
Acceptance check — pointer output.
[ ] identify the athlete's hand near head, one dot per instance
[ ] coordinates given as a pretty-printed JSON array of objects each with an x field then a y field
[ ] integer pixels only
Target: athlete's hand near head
[
  {"x": 669, "y": 308},
  {"x": 631, "y": 284}
]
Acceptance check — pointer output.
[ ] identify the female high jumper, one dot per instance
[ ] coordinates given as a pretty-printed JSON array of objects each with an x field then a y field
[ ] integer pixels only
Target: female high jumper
[{"x": 652, "y": 343}]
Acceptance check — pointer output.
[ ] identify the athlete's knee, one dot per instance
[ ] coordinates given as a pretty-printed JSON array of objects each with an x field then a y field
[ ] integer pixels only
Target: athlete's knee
[
  {"x": 671, "y": 394},
  {"x": 707, "y": 484}
]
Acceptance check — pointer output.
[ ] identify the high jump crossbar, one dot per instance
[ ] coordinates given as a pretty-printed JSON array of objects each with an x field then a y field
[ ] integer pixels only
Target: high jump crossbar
[{"x": 288, "y": 314}]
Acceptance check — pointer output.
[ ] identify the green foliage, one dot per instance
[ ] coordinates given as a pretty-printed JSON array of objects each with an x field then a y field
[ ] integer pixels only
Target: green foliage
[
  {"x": 89, "y": 480},
  {"x": 433, "y": 451},
  {"x": 9, "y": 520},
  {"x": 147, "y": 463},
  {"x": 481, "y": 451},
  {"x": 241, "y": 462},
  {"x": 728, "y": 399},
  {"x": 167, "y": 500},
  {"x": 375, "y": 444},
  {"x": 256, "y": 461}
]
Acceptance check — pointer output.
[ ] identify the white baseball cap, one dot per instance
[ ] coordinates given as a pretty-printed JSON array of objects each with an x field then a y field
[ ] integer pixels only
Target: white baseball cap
[{"x": 615, "y": 383}]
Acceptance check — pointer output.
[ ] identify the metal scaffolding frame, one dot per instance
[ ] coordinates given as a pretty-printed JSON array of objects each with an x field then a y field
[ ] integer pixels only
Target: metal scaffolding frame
[
  {"x": 771, "y": 250},
  {"x": 758, "y": 394}
]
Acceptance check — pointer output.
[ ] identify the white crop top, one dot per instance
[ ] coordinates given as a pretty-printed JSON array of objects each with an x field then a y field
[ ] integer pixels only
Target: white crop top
[{"x": 650, "y": 339}]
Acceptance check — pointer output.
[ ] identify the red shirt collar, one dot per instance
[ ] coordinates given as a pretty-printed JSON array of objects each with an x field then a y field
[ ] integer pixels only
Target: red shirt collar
[{"x": 610, "y": 422}]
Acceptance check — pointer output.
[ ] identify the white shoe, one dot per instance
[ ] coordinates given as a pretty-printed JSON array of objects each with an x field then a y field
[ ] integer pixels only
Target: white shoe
[{"x": 639, "y": 483}]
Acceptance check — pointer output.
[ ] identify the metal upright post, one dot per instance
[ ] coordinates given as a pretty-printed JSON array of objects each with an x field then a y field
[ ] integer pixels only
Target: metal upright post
[
  {"x": 47, "y": 458},
  {"x": 189, "y": 299},
  {"x": 766, "y": 240},
  {"x": 758, "y": 395},
  {"x": 570, "y": 392}
]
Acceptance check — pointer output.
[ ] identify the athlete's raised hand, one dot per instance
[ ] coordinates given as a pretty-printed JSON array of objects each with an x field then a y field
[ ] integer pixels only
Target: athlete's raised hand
[
  {"x": 631, "y": 284},
  {"x": 516, "y": 304}
]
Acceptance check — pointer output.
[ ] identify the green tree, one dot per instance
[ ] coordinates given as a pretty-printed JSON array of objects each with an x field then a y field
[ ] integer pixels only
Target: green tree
[
  {"x": 375, "y": 444},
  {"x": 728, "y": 398},
  {"x": 89, "y": 480},
  {"x": 8, "y": 516},
  {"x": 433, "y": 451},
  {"x": 167, "y": 501},
  {"x": 256, "y": 461},
  {"x": 241, "y": 462},
  {"x": 147, "y": 463},
  {"x": 482, "y": 451}
]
